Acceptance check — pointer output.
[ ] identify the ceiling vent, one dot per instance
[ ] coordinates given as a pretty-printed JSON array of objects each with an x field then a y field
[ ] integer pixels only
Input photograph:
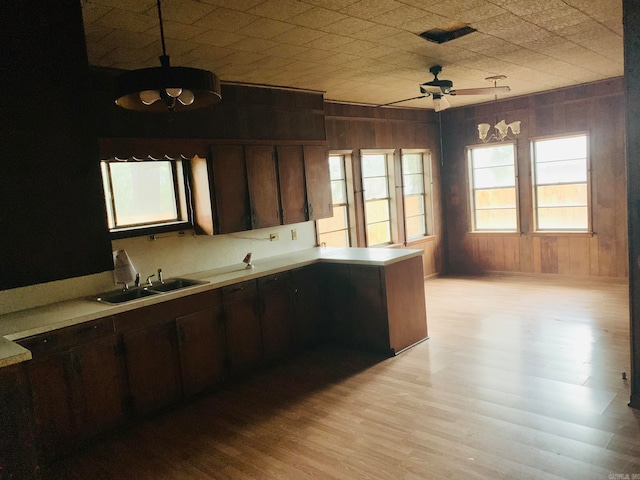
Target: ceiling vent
[{"x": 448, "y": 33}]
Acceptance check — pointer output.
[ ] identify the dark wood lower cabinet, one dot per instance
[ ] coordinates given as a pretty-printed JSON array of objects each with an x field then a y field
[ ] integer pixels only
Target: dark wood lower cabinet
[
  {"x": 242, "y": 322},
  {"x": 309, "y": 307},
  {"x": 153, "y": 367},
  {"x": 78, "y": 386},
  {"x": 276, "y": 315},
  {"x": 18, "y": 457},
  {"x": 203, "y": 349}
]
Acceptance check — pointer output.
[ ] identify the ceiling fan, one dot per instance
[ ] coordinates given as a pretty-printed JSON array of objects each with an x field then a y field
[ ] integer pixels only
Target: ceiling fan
[{"x": 438, "y": 88}]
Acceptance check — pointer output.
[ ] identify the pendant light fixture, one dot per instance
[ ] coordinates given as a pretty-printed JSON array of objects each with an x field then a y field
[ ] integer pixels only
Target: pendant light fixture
[{"x": 166, "y": 88}]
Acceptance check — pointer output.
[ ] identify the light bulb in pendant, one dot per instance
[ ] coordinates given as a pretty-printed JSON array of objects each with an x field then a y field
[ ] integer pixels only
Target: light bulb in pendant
[
  {"x": 173, "y": 92},
  {"x": 149, "y": 96},
  {"x": 186, "y": 97}
]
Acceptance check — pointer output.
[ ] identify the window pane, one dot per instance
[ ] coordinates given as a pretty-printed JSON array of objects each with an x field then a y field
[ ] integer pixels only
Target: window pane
[
  {"x": 374, "y": 165},
  {"x": 412, "y": 163},
  {"x": 561, "y": 148},
  {"x": 496, "y": 198},
  {"x": 562, "y": 195},
  {"x": 337, "y": 222},
  {"x": 377, "y": 211},
  {"x": 415, "y": 226},
  {"x": 563, "y": 171},
  {"x": 565, "y": 218},
  {"x": 336, "y": 167},
  {"x": 378, "y": 233},
  {"x": 493, "y": 195},
  {"x": 414, "y": 206},
  {"x": 377, "y": 187},
  {"x": 496, "y": 219},
  {"x": 144, "y": 192},
  {"x": 334, "y": 239},
  {"x": 413, "y": 184},
  {"x": 338, "y": 191},
  {"x": 494, "y": 177},
  {"x": 493, "y": 156}
]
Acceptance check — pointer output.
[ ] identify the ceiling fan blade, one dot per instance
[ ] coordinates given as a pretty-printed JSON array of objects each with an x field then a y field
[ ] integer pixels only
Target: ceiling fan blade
[
  {"x": 400, "y": 101},
  {"x": 481, "y": 91}
]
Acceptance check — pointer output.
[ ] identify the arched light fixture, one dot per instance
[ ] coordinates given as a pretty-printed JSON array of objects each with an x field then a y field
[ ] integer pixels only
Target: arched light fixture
[{"x": 166, "y": 88}]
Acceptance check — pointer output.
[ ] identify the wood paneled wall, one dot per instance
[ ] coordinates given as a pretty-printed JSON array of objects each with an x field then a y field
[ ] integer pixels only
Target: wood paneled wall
[
  {"x": 597, "y": 108},
  {"x": 245, "y": 113},
  {"x": 354, "y": 127}
]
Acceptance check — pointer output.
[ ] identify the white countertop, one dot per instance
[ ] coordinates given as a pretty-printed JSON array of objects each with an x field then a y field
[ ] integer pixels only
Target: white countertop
[{"x": 25, "y": 323}]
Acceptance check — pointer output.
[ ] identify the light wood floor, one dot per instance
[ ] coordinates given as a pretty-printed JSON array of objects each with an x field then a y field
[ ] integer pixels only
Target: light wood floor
[{"x": 521, "y": 379}]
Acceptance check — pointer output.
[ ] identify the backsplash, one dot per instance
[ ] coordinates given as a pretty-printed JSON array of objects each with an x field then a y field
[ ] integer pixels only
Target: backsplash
[{"x": 176, "y": 255}]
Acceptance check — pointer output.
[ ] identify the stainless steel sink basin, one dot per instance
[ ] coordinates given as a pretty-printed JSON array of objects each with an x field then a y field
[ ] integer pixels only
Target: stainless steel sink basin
[
  {"x": 119, "y": 296},
  {"x": 174, "y": 284}
]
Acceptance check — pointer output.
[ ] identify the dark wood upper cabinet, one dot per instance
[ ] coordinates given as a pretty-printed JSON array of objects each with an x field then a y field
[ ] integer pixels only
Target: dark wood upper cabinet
[
  {"x": 263, "y": 186},
  {"x": 230, "y": 189},
  {"x": 317, "y": 181},
  {"x": 292, "y": 191}
]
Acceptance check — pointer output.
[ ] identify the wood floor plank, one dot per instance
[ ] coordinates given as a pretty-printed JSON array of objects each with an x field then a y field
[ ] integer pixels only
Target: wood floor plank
[{"x": 521, "y": 378}]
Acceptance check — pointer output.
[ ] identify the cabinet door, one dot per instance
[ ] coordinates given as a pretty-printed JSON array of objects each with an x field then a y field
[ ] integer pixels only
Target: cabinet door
[
  {"x": 99, "y": 386},
  {"x": 292, "y": 190},
  {"x": 276, "y": 314},
  {"x": 203, "y": 349},
  {"x": 309, "y": 307},
  {"x": 318, "y": 182},
  {"x": 231, "y": 192},
  {"x": 242, "y": 323},
  {"x": 50, "y": 380},
  {"x": 369, "y": 324},
  {"x": 153, "y": 367},
  {"x": 263, "y": 186}
]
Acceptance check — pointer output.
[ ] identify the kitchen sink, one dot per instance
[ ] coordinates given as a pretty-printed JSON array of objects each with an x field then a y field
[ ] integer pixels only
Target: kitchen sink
[
  {"x": 174, "y": 284},
  {"x": 121, "y": 296}
]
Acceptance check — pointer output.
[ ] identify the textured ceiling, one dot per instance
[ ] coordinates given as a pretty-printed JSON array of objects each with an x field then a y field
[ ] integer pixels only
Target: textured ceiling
[{"x": 366, "y": 51}]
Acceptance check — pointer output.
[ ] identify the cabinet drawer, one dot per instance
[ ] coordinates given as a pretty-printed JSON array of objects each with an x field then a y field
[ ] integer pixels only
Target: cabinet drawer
[
  {"x": 195, "y": 303},
  {"x": 65, "y": 338},
  {"x": 143, "y": 317},
  {"x": 239, "y": 290},
  {"x": 272, "y": 282}
]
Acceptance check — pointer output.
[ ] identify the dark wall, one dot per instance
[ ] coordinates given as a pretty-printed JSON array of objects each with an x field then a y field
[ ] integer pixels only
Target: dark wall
[
  {"x": 597, "y": 108},
  {"x": 51, "y": 204}
]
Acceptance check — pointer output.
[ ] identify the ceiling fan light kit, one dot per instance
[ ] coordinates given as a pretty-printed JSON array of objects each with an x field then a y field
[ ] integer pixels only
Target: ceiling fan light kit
[{"x": 166, "y": 88}]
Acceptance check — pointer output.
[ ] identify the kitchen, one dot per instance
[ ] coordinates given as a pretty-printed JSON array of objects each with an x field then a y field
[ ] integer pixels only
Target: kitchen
[{"x": 82, "y": 249}]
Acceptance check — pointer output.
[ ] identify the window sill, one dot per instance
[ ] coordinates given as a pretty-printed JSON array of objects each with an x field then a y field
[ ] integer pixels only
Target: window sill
[{"x": 149, "y": 230}]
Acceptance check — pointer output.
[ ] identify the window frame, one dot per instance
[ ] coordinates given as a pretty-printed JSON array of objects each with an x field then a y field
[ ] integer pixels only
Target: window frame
[
  {"x": 391, "y": 198},
  {"x": 427, "y": 194},
  {"x": 534, "y": 185},
  {"x": 471, "y": 188},
  {"x": 182, "y": 200},
  {"x": 347, "y": 165}
]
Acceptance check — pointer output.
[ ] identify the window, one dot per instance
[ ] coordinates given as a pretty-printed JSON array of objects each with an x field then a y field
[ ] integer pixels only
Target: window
[
  {"x": 560, "y": 183},
  {"x": 493, "y": 187},
  {"x": 334, "y": 231},
  {"x": 377, "y": 200},
  {"x": 415, "y": 177},
  {"x": 144, "y": 194}
]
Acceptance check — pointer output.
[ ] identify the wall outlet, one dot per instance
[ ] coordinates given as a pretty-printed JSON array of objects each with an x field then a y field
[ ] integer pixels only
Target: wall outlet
[
  {"x": 274, "y": 236},
  {"x": 294, "y": 234}
]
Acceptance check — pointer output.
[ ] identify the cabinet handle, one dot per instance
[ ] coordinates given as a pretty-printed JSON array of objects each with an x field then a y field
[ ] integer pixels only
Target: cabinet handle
[{"x": 310, "y": 209}]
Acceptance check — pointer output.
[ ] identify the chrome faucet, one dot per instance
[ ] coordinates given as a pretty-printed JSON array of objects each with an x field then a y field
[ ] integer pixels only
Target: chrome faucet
[
  {"x": 137, "y": 281},
  {"x": 149, "y": 282},
  {"x": 160, "y": 276},
  {"x": 125, "y": 287}
]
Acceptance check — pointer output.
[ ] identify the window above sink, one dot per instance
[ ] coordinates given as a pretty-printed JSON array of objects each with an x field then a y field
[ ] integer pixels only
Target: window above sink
[{"x": 145, "y": 197}]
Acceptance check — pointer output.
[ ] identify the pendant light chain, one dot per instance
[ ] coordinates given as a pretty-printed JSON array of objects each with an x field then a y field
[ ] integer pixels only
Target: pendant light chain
[{"x": 164, "y": 48}]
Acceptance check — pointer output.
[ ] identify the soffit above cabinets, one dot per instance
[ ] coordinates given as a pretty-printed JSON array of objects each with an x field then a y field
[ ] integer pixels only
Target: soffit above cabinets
[{"x": 366, "y": 51}]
